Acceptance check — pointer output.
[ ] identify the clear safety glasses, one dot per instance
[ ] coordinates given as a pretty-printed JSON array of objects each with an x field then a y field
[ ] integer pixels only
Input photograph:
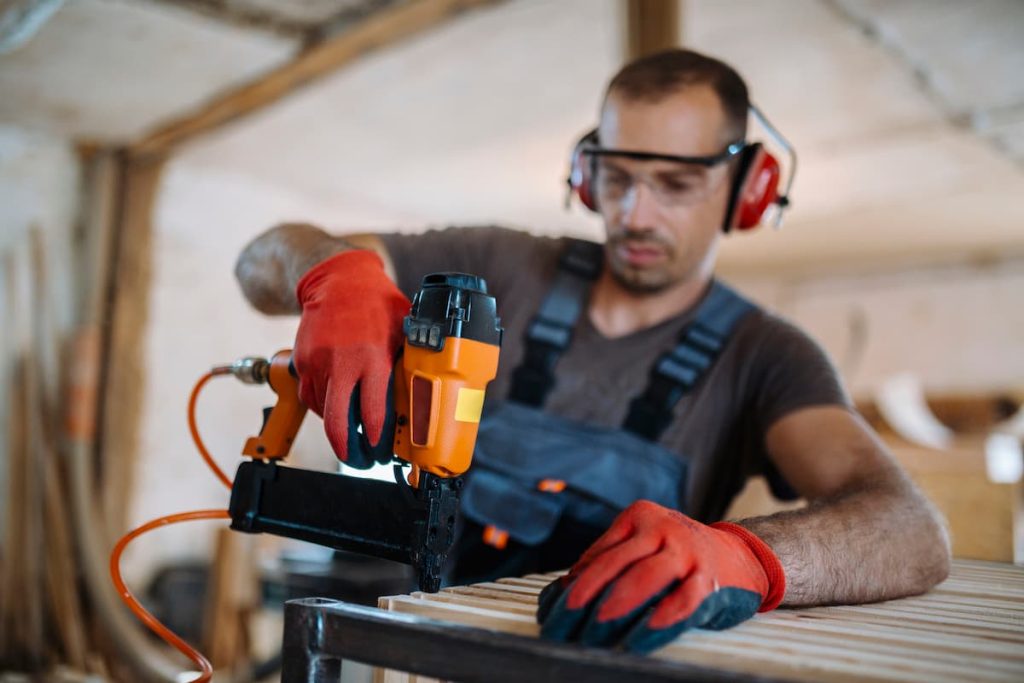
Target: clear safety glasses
[{"x": 682, "y": 181}]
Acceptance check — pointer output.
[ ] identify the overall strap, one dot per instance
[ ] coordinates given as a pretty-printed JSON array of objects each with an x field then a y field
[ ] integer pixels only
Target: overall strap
[
  {"x": 550, "y": 332},
  {"x": 678, "y": 370}
]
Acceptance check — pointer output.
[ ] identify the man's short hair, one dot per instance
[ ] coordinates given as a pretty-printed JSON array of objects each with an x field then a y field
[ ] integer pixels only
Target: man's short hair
[{"x": 659, "y": 75}]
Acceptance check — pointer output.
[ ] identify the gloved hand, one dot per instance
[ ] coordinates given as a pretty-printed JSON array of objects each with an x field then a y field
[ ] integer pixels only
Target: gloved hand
[
  {"x": 349, "y": 335},
  {"x": 656, "y": 573}
]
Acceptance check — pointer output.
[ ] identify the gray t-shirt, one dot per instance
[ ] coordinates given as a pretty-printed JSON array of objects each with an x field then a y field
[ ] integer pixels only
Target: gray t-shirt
[{"x": 767, "y": 369}]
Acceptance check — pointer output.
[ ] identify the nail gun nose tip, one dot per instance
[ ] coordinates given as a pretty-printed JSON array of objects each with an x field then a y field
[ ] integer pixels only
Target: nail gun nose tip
[{"x": 430, "y": 584}]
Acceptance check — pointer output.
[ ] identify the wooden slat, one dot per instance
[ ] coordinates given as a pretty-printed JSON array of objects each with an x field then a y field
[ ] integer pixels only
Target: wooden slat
[
  {"x": 64, "y": 610},
  {"x": 232, "y": 598},
  {"x": 381, "y": 29},
  {"x": 24, "y": 605},
  {"x": 971, "y": 627}
]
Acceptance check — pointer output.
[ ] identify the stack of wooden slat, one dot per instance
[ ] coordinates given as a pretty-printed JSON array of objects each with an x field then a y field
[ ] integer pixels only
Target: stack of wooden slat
[
  {"x": 41, "y": 612},
  {"x": 969, "y": 628}
]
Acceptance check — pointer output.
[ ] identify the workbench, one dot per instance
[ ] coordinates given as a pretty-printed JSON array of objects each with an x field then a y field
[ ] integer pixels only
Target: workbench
[{"x": 969, "y": 628}]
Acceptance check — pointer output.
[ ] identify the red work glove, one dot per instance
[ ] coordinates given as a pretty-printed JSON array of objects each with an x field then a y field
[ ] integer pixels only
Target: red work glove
[
  {"x": 349, "y": 335},
  {"x": 656, "y": 573}
]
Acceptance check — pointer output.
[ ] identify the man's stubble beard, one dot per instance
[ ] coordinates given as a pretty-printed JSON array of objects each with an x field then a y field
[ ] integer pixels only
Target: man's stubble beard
[{"x": 636, "y": 281}]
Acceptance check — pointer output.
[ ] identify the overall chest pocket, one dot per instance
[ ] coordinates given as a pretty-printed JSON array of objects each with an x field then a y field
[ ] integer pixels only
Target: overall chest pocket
[{"x": 532, "y": 470}]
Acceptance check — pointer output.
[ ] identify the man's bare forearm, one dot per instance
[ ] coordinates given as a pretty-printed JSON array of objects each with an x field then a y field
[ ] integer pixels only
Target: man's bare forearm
[
  {"x": 882, "y": 540},
  {"x": 270, "y": 266}
]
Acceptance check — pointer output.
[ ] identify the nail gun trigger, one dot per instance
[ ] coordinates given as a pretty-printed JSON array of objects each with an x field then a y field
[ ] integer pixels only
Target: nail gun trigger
[{"x": 403, "y": 485}]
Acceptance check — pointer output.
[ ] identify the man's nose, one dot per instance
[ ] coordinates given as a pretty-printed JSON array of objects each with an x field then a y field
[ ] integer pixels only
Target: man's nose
[{"x": 641, "y": 208}]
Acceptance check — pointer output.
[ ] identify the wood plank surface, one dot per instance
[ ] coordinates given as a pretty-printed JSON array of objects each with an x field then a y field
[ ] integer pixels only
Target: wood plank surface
[{"x": 970, "y": 627}]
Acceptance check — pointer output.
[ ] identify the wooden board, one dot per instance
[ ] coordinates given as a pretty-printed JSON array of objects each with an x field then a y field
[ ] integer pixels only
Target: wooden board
[
  {"x": 985, "y": 518},
  {"x": 971, "y": 627}
]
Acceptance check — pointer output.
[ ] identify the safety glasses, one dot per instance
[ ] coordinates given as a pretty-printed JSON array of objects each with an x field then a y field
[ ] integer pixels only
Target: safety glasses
[{"x": 682, "y": 181}]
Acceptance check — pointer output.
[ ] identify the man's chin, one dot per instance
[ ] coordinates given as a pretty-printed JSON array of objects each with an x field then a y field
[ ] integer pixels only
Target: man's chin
[{"x": 641, "y": 280}]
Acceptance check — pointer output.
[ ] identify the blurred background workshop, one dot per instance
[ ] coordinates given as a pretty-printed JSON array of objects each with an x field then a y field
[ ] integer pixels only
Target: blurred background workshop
[{"x": 145, "y": 143}]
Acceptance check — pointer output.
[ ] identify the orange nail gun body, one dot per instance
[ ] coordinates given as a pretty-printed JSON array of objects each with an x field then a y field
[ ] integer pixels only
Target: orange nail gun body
[{"x": 453, "y": 337}]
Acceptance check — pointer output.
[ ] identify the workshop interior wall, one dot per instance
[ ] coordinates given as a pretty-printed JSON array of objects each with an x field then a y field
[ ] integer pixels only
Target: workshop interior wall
[
  {"x": 39, "y": 176},
  {"x": 957, "y": 327}
]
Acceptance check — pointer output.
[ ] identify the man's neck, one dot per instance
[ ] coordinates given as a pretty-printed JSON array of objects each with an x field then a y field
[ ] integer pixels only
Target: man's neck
[{"x": 616, "y": 311}]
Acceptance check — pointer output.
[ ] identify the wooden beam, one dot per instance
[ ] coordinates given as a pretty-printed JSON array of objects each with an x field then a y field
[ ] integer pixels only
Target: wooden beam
[
  {"x": 379, "y": 30},
  {"x": 123, "y": 366},
  {"x": 651, "y": 26}
]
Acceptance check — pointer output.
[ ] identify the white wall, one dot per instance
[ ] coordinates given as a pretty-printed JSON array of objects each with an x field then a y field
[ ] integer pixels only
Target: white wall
[
  {"x": 39, "y": 177},
  {"x": 958, "y": 327}
]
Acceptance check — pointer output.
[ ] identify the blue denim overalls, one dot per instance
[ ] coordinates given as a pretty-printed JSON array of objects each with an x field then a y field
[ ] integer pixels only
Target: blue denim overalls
[{"x": 543, "y": 488}]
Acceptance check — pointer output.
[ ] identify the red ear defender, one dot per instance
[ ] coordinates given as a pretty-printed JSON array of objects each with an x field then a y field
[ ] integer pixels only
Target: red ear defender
[
  {"x": 581, "y": 172},
  {"x": 755, "y": 188}
]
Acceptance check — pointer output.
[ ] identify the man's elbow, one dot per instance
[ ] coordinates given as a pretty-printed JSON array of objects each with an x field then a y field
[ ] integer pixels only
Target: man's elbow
[
  {"x": 934, "y": 546},
  {"x": 269, "y": 267},
  {"x": 261, "y": 277}
]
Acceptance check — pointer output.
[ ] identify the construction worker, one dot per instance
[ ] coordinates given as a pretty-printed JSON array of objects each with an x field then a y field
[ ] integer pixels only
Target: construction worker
[{"x": 636, "y": 393}]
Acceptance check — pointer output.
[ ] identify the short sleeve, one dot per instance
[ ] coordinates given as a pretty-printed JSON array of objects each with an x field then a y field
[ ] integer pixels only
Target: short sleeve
[
  {"x": 790, "y": 371},
  {"x": 494, "y": 253}
]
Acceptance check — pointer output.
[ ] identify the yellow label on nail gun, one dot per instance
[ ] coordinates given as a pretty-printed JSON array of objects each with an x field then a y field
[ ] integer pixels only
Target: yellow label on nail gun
[{"x": 469, "y": 405}]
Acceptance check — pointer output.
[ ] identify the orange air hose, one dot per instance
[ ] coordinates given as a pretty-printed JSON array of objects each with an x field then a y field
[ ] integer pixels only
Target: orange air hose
[
  {"x": 171, "y": 638},
  {"x": 205, "y": 669},
  {"x": 221, "y": 370}
]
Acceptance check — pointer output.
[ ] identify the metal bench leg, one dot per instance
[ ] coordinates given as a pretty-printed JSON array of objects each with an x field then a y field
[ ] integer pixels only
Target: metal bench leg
[{"x": 302, "y": 660}]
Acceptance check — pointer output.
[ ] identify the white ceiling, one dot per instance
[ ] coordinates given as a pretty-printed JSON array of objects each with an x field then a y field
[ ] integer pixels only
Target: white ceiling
[
  {"x": 908, "y": 114},
  {"x": 111, "y": 69},
  {"x": 890, "y": 167},
  {"x": 968, "y": 55}
]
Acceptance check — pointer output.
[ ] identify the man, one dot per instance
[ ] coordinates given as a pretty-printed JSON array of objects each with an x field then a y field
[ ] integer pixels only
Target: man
[{"x": 607, "y": 402}]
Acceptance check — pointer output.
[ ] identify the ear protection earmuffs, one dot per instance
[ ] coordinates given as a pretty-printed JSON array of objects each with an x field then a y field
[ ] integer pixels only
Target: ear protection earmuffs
[
  {"x": 581, "y": 172},
  {"x": 755, "y": 187}
]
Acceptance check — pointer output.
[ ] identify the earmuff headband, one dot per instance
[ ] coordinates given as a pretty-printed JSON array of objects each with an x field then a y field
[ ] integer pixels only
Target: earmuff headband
[{"x": 780, "y": 140}]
